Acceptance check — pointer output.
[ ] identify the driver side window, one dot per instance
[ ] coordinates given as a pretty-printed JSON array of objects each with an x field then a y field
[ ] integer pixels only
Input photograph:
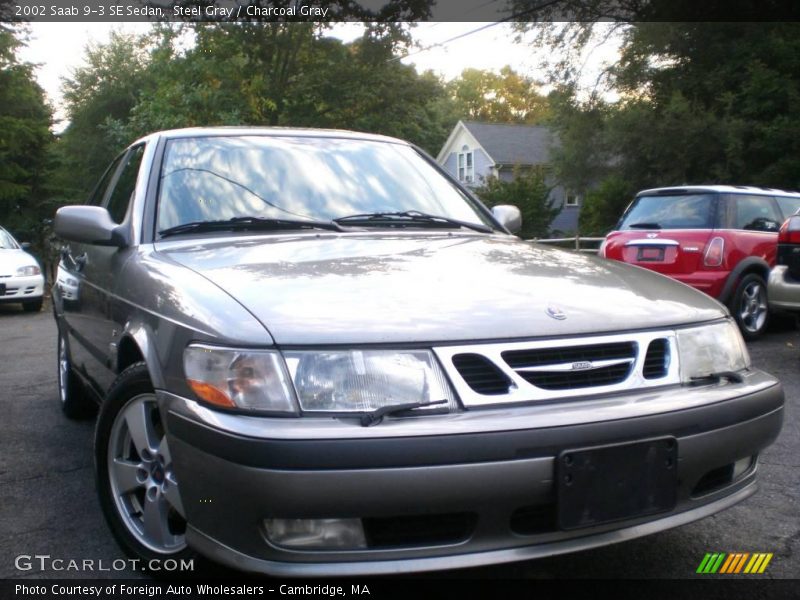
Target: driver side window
[
  {"x": 121, "y": 195},
  {"x": 99, "y": 192}
]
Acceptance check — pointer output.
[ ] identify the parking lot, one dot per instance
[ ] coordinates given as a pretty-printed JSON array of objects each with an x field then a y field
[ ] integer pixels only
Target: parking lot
[{"x": 48, "y": 504}]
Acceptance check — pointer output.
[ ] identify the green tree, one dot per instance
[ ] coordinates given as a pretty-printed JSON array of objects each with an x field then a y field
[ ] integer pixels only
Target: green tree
[
  {"x": 291, "y": 75},
  {"x": 603, "y": 205},
  {"x": 258, "y": 73},
  {"x": 504, "y": 97},
  {"x": 362, "y": 86},
  {"x": 584, "y": 154},
  {"x": 25, "y": 137},
  {"x": 711, "y": 102},
  {"x": 99, "y": 98},
  {"x": 527, "y": 190},
  {"x": 698, "y": 103}
]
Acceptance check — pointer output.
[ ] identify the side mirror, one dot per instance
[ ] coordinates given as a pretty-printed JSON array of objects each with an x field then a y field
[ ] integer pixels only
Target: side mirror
[
  {"x": 25, "y": 246},
  {"x": 89, "y": 225},
  {"x": 508, "y": 216}
]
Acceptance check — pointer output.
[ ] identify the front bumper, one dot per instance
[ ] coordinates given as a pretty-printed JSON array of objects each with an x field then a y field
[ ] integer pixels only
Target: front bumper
[
  {"x": 495, "y": 465},
  {"x": 22, "y": 289},
  {"x": 783, "y": 290}
]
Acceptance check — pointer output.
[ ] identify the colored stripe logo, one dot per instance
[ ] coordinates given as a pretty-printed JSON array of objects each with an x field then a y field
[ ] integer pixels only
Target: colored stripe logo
[{"x": 734, "y": 563}]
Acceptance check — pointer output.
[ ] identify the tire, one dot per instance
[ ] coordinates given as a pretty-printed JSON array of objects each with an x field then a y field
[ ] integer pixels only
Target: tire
[
  {"x": 749, "y": 306},
  {"x": 33, "y": 305},
  {"x": 75, "y": 402},
  {"x": 133, "y": 469}
]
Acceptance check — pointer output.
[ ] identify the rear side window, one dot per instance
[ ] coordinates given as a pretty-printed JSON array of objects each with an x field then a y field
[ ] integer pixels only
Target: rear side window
[
  {"x": 750, "y": 213},
  {"x": 789, "y": 206},
  {"x": 685, "y": 211}
]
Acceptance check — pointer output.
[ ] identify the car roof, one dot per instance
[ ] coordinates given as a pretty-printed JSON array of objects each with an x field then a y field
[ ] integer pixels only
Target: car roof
[
  {"x": 269, "y": 131},
  {"x": 728, "y": 189}
]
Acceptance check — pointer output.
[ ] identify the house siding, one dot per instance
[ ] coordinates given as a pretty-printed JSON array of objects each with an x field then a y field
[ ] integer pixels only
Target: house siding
[
  {"x": 483, "y": 166},
  {"x": 509, "y": 145},
  {"x": 480, "y": 160},
  {"x": 451, "y": 164},
  {"x": 567, "y": 220}
]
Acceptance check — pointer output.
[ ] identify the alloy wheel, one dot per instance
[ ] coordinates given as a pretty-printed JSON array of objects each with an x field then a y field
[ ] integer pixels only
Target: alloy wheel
[
  {"x": 753, "y": 307},
  {"x": 143, "y": 484}
]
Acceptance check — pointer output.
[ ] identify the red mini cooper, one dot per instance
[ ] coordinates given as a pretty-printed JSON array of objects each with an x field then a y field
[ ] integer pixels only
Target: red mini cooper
[{"x": 719, "y": 239}]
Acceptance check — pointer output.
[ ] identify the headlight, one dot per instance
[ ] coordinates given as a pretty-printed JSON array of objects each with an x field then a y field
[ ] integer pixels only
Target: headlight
[
  {"x": 711, "y": 349},
  {"x": 28, "y": 271},
  {"x": 365, "y": 380},
  {"x": 246, "y": 379}
]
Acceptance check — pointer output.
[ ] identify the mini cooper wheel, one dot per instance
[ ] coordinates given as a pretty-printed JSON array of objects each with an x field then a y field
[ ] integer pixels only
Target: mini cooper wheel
[
  {"x": 74, "y": 401},
  {"x": 749, "y": 306},
  {"x": 137, "y": 487}
]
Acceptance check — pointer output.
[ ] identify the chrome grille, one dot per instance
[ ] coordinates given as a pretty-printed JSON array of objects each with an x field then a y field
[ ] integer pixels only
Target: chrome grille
[
  {"x": 547, "y": 370},
  {"x": 656, "y": 361},
  {"x": 574, "y": 367},
  {"x": 481, "y": 375}
]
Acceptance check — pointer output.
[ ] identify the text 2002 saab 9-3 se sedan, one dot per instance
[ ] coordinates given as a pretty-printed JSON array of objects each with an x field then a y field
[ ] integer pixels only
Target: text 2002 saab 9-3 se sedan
[{"x": 315, "y": 353}]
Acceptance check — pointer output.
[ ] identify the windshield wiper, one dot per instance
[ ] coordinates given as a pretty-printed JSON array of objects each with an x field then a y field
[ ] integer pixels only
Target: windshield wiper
[
  {"x": 645, "y": 226},
  {"x": 244, "y": 223},
  {"x": 408, "y": 217},
  {"x": 376, "y": 416}
]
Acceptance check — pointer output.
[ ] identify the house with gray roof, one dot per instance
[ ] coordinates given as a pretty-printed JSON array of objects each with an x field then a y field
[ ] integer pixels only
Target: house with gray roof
[{"x": 476, "y": 151}]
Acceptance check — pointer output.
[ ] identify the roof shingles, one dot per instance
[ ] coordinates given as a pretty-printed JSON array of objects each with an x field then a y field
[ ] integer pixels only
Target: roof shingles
[{"x": 513, "y": 144}]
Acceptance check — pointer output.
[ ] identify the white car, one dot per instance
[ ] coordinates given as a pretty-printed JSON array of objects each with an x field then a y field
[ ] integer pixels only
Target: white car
[{"x": 21, "y": 278}]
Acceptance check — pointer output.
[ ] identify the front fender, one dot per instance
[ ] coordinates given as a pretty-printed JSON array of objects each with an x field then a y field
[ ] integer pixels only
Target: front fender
[{"x": 141, "y": 335}]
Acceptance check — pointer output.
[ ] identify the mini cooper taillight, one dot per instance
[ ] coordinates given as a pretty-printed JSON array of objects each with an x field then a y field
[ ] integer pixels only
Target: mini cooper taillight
[
  {"x": 715, "y": 252},
  {"x": 790, "y": 231}
]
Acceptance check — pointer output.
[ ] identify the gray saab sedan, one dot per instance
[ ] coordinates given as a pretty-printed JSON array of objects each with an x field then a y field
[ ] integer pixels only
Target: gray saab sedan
[{"x": 316, "y": 354}]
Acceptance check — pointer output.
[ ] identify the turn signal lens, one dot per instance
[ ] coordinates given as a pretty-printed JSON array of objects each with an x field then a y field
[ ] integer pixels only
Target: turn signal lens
[{"x": 209, "y": 393}]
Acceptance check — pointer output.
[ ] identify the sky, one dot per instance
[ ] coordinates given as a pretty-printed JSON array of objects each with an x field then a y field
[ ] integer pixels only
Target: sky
[{"x": 58, "y": 48}]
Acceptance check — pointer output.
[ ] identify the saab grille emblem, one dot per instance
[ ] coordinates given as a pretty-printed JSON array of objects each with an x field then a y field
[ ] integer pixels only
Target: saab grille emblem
[
  {"x": 581, "y": 365},
  {"x": 556, "y": 313}
]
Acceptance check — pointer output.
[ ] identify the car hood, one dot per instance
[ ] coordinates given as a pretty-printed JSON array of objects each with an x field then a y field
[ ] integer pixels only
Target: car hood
[
  {"x": 403, "y": 288},
  {"x": 11, "y": 260}
]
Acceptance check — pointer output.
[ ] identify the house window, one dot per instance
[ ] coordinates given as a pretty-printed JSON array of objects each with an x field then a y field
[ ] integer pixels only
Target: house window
[
  {"x": 573, "y": 199},
  {"x": 466, "y": 165}
]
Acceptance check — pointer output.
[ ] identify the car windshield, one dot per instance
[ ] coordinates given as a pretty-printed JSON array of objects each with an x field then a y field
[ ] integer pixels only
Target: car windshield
[
  {"x": 6, "y": 241},
  {"x": 306, "y": 178},
  {"x": 684, "y": 211}
]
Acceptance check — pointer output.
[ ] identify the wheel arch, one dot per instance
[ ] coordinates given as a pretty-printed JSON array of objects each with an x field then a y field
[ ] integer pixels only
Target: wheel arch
[
  {"x": 751, "y": 264},
  {"x": 137, "y": 345}
]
